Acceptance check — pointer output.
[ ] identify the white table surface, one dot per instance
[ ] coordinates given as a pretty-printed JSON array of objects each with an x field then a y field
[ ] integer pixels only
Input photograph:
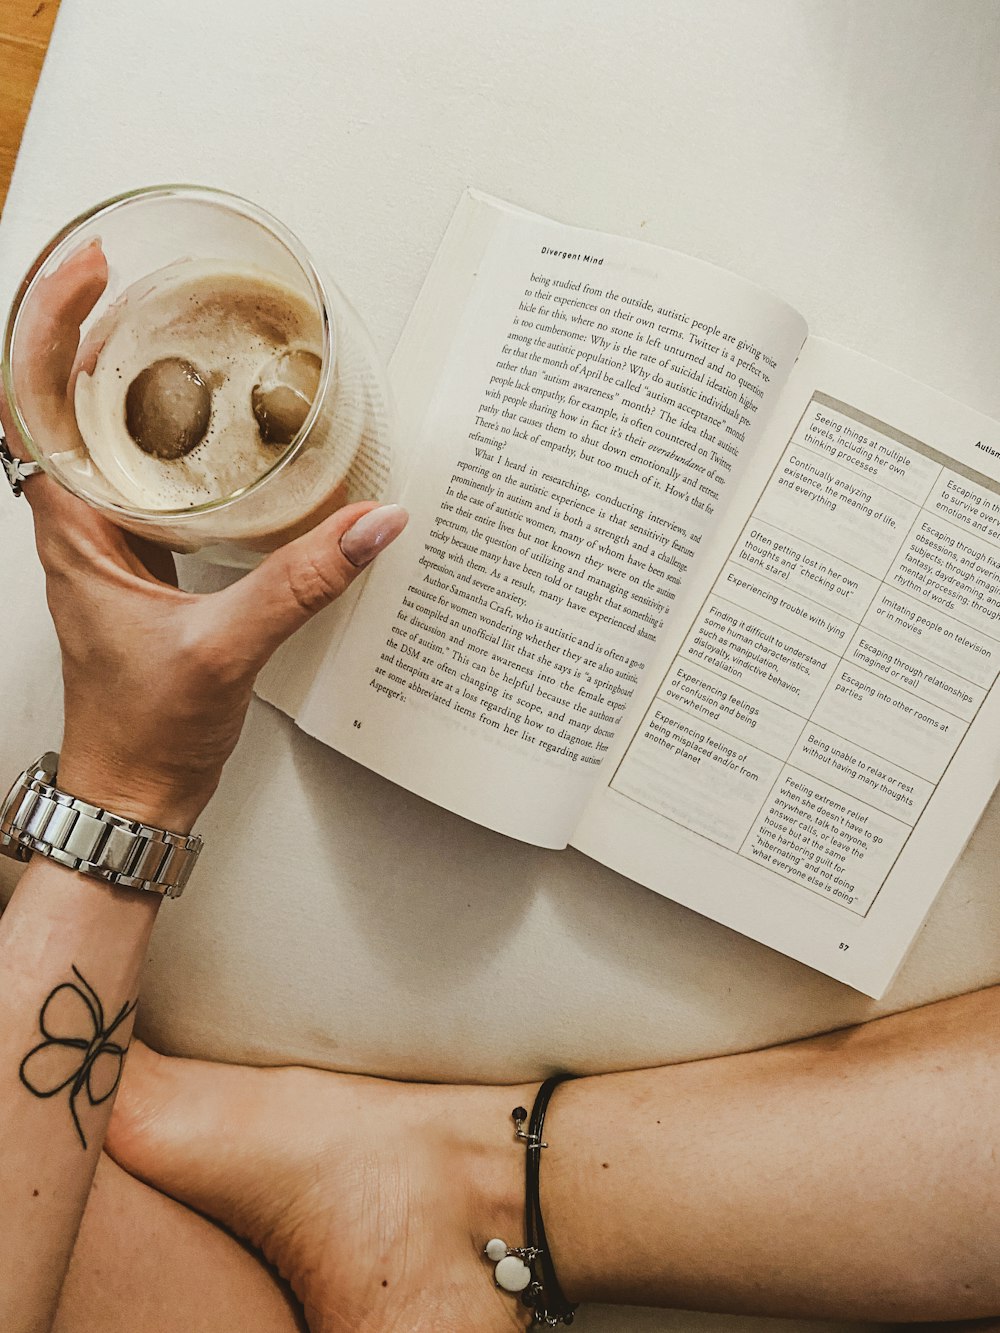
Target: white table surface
[{"x": 842, "y": 152}]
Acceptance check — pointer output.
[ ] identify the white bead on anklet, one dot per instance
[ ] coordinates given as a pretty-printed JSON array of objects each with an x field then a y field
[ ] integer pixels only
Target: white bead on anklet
[{"x": 511, "y": 1273}]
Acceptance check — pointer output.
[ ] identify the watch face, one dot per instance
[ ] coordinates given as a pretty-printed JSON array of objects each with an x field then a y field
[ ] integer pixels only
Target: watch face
[
  {"x": 11, "y": 801},
  {"x": 44, "y": 768}
]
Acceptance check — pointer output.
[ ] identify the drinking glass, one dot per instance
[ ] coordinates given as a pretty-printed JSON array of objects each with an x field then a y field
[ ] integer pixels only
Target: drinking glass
[{"x": 339, "y": 453}]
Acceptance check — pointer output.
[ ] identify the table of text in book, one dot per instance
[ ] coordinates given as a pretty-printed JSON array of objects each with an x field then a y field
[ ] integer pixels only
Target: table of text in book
[{"x": 836, "y": 663}]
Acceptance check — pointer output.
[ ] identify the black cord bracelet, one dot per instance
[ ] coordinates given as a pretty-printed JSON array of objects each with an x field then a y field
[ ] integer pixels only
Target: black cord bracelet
[
  {"x": 529, "y": 1270},
  {"x": 549, "y": 1304}
]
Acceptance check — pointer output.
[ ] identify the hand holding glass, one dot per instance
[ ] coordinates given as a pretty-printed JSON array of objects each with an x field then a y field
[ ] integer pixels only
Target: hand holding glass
[{"x": 224, "y": 396}]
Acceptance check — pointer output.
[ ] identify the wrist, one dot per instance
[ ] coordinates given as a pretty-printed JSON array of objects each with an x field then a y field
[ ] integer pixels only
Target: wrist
[{"x": 171, "y": 802}]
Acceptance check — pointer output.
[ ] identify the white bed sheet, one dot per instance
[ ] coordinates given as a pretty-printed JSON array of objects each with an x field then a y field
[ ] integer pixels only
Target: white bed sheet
[{"x": 843, "y": 153}]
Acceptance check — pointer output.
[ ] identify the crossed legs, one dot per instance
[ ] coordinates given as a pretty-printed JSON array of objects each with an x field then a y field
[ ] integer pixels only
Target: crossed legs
[{"x": 852, "y": 1176}]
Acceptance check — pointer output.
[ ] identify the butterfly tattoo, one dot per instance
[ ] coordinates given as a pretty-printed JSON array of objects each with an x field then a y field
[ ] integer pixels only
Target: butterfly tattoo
[{"x": 77, "y": 1052}]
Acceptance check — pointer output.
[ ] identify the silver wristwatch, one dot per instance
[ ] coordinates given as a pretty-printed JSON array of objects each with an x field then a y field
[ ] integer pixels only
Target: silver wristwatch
[{"x": 37, "y": 817}]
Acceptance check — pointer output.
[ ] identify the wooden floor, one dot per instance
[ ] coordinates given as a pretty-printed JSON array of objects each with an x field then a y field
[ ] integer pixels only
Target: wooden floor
[{"x": 25, "y": 27}]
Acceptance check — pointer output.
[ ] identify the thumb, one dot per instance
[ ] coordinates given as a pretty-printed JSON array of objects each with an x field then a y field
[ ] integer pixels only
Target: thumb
[{"x": 299, "y": 579}]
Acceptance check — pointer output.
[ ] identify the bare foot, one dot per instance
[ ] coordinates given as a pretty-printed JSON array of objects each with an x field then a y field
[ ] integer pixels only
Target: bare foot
[{"x": 373, "y": 1199}]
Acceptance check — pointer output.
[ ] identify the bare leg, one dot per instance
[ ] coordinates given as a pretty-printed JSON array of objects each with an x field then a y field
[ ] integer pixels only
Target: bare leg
[
  {"x": 142, "y": 1261},
  {"x": 851, "y": 1176}
]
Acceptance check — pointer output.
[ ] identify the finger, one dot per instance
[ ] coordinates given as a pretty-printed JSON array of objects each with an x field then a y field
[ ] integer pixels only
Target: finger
[
  {"x": 47, "y": 342},
  {"x": 293, "y": 583},
  {"x": 12, "y": 435},
  {"x": 49, "y": 355},
  {"x": 49, "y": 334},
  {"x": 85, "y": 361},
  {"x": 71, "y": 536},
  {"x": 39, "y": 488}
]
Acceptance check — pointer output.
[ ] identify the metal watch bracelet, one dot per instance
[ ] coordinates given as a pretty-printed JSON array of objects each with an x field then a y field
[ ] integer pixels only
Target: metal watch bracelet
[{"x": 37, "y": 817}]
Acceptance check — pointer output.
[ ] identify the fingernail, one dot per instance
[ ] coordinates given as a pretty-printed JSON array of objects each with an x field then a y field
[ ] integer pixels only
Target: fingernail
[
  {"x": 83, "y": 247},
  {"x": 372, "y": 532}
]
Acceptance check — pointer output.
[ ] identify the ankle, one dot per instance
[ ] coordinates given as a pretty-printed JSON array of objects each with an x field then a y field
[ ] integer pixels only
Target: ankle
[
  {"x": 508, "y": 1192},
  {"x": 491, "y": 1164}
]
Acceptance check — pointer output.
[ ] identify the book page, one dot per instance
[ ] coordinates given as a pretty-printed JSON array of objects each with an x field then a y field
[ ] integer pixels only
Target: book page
[
  {"x": 416, "y": 367},
  {"x": 597, "y": 402},
  {"x": 822, "y": 740}
]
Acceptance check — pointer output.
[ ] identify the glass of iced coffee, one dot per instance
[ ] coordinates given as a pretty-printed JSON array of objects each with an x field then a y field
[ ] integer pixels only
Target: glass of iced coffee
[{"x": 224, "y": 397}]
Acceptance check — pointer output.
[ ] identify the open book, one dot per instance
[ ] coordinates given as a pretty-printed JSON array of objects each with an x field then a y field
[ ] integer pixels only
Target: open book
[{"x": 712, "y": 601}]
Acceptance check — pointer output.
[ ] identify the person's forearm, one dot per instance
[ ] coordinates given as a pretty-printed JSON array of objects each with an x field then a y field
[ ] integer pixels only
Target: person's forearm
[
  {"x": 71, "y": 949},
  {"x": 852, "y": 1176},
  {"x": 157, "y": 682}
]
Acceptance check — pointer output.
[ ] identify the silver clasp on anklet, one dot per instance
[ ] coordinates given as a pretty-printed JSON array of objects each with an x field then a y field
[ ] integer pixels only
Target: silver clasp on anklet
[{"x": 531, "y": 1141}]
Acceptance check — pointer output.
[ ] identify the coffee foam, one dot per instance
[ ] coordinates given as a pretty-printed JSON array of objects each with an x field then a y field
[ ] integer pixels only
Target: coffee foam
[{"x": 228, "y": 322}]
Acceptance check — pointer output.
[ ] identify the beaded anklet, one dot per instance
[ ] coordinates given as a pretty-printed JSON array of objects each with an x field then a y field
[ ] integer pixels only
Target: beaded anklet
[{"x": 527, "y": 1270}]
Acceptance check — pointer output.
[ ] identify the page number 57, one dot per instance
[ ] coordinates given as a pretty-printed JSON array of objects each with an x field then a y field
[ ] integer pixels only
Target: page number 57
[{"x": 842, "y": 946}]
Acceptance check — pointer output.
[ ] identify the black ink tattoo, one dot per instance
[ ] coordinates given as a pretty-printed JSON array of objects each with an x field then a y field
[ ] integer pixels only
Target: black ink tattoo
[{"x": 43, "y": 1069}]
